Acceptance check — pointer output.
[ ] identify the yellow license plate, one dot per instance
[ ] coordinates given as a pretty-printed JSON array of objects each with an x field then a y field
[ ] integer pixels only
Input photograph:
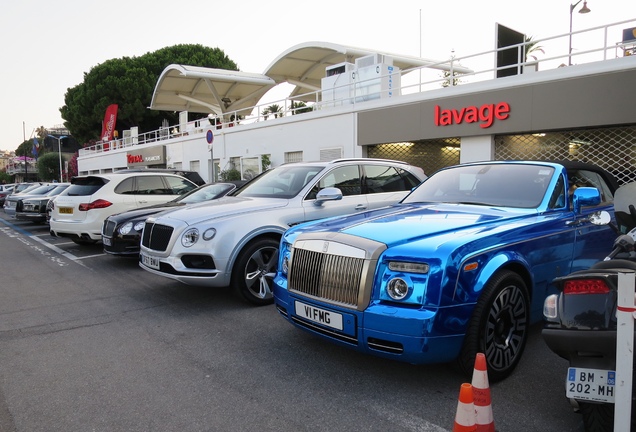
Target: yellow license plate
[{"x": 66, "y": 210}]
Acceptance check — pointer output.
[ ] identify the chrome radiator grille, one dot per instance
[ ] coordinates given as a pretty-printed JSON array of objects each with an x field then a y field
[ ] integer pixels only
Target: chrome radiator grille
[{"x": 333, "y": 278}]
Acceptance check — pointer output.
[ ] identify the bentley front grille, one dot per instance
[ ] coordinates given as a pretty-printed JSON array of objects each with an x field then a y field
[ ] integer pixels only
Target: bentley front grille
[
  {"x": 109, "y": 228},
  {"x": 156, "y": 237}
]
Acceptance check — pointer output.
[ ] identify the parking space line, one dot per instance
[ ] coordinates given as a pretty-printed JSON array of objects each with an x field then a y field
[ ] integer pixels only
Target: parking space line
[
  {"x": 54, "y": 248},
  {"x": 90, "y": 256},
  {"x": 57, "y": 249}
]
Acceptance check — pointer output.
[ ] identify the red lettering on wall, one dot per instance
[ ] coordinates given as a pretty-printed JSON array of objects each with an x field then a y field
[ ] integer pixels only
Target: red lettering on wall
[
  {"x": 485, "y": 114},
  {"x": 134, "y": 158}
]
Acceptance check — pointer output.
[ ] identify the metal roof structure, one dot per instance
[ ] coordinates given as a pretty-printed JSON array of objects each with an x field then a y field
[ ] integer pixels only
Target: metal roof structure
[{"x": 208, "y": 90}]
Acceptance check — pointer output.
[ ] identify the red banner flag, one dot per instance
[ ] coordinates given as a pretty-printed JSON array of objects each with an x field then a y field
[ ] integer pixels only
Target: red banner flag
[{"x": 109, "y": 122}]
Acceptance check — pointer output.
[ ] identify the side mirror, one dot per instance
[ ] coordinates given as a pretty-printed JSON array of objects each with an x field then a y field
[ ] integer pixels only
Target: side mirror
[
  {"x": 585, "y": 196},
  {"x": 328, "y": 194}
]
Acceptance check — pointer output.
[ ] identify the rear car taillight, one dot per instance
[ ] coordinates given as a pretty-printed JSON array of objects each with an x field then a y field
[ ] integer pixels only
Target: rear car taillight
[
  {"x": 585, "y": 286},
  {"x": 98, "y": 204}
]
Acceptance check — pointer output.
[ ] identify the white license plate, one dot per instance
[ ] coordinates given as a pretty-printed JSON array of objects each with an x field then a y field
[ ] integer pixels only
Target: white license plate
[
  {"x": 591, "y": 384},
  {"x": 150, "y": 261},
  {"x": 106, "y": 241},
  {"x": 320, "y": 316}
]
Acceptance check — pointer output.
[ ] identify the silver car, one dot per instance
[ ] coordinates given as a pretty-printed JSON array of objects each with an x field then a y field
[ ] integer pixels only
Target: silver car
[{"x": 234, "y": 240}]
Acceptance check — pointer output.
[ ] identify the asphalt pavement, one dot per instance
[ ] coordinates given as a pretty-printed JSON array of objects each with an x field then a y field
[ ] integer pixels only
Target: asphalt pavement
[{"x": 91, "y": 342}]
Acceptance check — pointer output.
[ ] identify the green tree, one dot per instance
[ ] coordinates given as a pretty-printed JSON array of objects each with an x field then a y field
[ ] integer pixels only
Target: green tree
[
  {"x": 129, "y": 82},
  {"x": 25, "y": 149},
  {"x": 4, "y": 177},
  {"x": 49, "y": 167},
  {"x": 300, "y": 107},
  {"x": 275, "y": 109}
]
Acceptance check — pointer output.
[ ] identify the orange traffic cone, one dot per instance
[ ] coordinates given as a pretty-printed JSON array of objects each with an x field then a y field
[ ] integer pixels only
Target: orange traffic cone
[
  {"x": 465, "y": 416},
  {"x": 481, "y": 396}
]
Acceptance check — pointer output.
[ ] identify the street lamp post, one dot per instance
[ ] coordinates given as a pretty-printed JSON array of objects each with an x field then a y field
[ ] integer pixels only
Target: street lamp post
[
  {"x": 59, "y": 151},
  {"x": 583, "y": 10}
]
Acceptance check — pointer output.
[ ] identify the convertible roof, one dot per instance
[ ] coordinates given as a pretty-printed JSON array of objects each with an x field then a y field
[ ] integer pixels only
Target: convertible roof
[{"x": 205, "y": 90}]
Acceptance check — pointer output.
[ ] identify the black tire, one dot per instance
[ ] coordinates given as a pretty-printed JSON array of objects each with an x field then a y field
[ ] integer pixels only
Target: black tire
[
  {"x": 498, "y": 327},
  {"x": 597, "y": 417},
  {"x": 249, "y": 275}
]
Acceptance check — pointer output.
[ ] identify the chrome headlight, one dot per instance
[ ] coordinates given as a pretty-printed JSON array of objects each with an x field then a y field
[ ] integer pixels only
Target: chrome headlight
[
  {"x": 125, "y": 228},
  {"x": 190, "y": 237},
  {"x": 286, "y": 257},
  {"x": 397, "y": 288},
  {"x": 139, "y": 226}
]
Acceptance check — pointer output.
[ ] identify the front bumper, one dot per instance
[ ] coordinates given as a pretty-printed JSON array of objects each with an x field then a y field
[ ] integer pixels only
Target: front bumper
[
  {"x": 202, "y": 270},
  {"x": 417, "y": 336},
  {"x": 121, "y": 245}
]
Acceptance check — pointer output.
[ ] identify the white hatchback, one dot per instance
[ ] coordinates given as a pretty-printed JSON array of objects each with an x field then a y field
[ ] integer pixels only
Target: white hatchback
[{"x": 79, "y": 212}]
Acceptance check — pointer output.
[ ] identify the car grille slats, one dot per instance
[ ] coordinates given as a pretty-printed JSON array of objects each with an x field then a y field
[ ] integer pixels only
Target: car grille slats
[
  {"x": 109, "y": 228},
  {"x": 333, "y": 278},
  {"x": 156, "y": 236}
]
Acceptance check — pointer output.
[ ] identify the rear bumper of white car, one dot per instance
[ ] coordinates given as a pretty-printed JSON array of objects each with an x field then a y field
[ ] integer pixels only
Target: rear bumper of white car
[{"x": 83, "y": 231}]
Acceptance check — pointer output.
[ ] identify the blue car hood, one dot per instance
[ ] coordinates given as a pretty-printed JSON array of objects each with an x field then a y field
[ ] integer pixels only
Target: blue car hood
[{"x": 408, "y": 222}]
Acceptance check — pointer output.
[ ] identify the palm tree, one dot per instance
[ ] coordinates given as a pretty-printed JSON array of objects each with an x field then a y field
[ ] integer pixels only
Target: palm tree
[
  {"x": 300, "y": 107},
  {"x": 273, "y": 109},
  {"x": 532, "y": 47},
  {"x": 41, "y": 132}
]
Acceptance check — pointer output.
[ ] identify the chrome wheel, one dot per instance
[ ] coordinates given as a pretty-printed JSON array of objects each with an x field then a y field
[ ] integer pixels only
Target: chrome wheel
[{"x": 254, "y": 271}]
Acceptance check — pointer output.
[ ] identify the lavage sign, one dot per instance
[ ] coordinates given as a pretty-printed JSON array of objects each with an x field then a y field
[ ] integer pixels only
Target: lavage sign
[{"x": 485, "y": 115}]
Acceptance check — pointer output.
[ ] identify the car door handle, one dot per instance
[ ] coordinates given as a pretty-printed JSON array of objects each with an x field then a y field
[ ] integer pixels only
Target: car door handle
[{"x": 361, "y": 207}]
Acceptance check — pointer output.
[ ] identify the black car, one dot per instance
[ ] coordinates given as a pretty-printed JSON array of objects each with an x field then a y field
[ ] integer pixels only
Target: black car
[
  {"x": 121, "y": 233},
  {"x": 34, "y": 208}
]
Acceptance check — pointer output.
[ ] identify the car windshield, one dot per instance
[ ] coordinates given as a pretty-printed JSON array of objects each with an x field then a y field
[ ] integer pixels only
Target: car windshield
[
  {"x": 505, "y": 185},
  {"x": 281, "y": 182},
  {"x": 25, "y": 188},
  {"x": 41, "y": 190},
  {"x": 57, "y": 190}
]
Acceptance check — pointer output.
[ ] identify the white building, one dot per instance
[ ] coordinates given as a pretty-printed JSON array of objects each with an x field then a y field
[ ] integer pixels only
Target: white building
[{"x": 369, "y": 104}]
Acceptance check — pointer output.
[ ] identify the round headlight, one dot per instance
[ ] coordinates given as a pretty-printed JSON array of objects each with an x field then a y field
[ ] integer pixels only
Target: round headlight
[
  {"x": 397, "y": 288},
  {"x": 209, "y": 234},
  {"x": 139, "y": 226},
  {"x": 190, "y": 237},
  {"x": 125, "y": 228},
  {"x": 285, "y": 265}
]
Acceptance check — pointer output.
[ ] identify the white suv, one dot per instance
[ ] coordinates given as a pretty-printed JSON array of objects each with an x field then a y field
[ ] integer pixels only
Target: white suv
[
  {"x": 234, "y": 240},
  {"x": 79, "y": 212}
]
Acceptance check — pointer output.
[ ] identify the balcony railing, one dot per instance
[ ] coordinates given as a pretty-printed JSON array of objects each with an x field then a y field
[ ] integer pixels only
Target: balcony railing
[{"x": 602, "y": 43}]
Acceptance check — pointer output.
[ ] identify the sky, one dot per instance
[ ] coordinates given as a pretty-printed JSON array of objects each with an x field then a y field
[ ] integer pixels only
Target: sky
[{"x": 47, "y": 46}]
